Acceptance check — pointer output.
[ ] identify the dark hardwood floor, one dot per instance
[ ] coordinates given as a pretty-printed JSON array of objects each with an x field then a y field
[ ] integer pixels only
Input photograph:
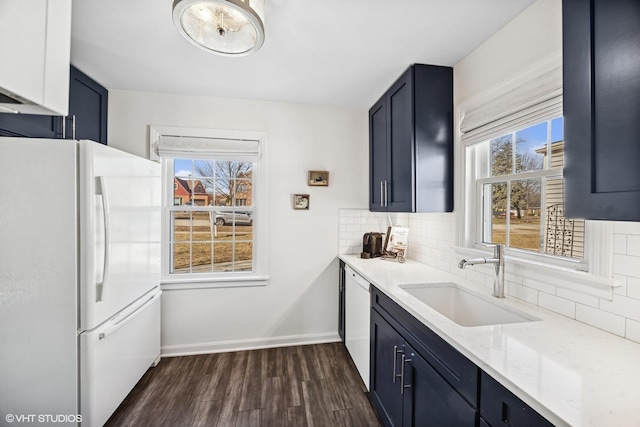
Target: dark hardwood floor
[{"x": 312, "y": 385}]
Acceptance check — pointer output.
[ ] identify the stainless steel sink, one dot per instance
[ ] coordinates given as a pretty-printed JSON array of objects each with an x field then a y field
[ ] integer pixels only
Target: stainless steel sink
[{"x": 465, "y": 307}]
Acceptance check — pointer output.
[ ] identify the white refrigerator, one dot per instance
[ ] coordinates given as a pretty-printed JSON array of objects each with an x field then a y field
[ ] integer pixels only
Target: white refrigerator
[{"x": 79, "y": 279}]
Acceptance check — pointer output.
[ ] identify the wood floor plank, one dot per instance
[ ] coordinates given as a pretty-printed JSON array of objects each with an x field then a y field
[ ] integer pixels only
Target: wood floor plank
[
  {"x": 251, "y": 418},
  {"x": 208, "y": 413},
  {"x": 274, "y": 413},
  {"x": 296, "y": 417},
  {"x": 234, "y": 387},
  {"x": 220, "y": 376},
  {"x": 299, "y": 386},
  {"x": 253, "y": 388}
]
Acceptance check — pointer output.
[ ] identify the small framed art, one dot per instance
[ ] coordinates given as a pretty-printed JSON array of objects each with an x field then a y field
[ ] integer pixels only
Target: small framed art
[
  {"x": 301, "y": 201},
  {"x": 319, "y": 178}
]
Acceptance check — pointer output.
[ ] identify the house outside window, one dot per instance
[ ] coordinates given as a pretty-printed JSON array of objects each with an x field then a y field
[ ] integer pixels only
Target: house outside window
[{"x": 213, "y": 221}]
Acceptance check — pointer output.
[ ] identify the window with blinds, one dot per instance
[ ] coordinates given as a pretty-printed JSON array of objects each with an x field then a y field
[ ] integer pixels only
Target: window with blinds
[
  {"x": 513, "y": 146},
  {"x": 212, "y": 213}
]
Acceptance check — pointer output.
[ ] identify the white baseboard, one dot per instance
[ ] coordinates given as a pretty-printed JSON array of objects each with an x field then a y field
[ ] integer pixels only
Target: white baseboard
[{"x": 248, "y": 344}]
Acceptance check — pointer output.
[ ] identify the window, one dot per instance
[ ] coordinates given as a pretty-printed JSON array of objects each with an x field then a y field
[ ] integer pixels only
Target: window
[
  {"x": 213, "y": 222},
  {"x": 520, "y": 192},
  {"x": 206, "y": 233},
  {"x": 509, "y": 174}
]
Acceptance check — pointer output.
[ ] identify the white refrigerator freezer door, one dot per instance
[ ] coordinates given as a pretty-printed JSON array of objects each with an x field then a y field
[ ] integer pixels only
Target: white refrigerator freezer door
[
  {"x": 115, "y": 356},
  {"x": 120, "y": 218},
  {"x": 38, "y": 275}
]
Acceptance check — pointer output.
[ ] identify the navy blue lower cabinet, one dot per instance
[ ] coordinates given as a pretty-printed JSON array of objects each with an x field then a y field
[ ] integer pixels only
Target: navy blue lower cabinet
[
  {"x": 386, "y": 352},
  {"x": 405, "y": 389},
  {"x": 428, "y": 399},
  {"x": 500, "y": 407}
]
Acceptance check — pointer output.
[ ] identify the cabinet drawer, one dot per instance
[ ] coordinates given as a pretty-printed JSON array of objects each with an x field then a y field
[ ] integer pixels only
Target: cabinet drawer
[
  {"x": 498, "y": 407},
  {"x": 455, "y": 368}
]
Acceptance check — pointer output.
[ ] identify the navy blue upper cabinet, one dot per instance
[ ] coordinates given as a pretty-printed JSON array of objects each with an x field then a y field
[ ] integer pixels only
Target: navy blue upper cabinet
[
  {"x": 601, "y": 49},
  {"x": 88, "y": 103},
  {"x": 411, "y": 143},
  {"x": 30, "y": 125},
  {"x": 87, "y": 118}
]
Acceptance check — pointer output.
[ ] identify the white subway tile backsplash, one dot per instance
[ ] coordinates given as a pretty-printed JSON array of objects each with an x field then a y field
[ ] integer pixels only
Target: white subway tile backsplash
[
  {"x": 633, "y": 287},
  {"x": 577, "y": 297},
  {"x": 624, "y": 227},
  {"x": 620, "y": 283},
  {"x": 620, "y": 244},
  {"x": 632, "y": 330},
  {"x": 633, "y": 245},
  {"x": 558, "y": 305},
  {"x": 432, "y": 237},
  {"x": 626, "y": 265},
  {"x": 541, "y": 286},
  {"x": 623, "y": 306},
  {"x": 600, "y": 319},
  {"x": 522, "y": 292}
]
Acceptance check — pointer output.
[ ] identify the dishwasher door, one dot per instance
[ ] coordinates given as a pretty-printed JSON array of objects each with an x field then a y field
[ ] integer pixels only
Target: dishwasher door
[{"x": 357, "y": 321}]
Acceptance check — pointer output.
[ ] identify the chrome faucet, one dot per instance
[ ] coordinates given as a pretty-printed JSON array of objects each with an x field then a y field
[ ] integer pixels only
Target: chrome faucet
[{"x": 498, "y": 260}]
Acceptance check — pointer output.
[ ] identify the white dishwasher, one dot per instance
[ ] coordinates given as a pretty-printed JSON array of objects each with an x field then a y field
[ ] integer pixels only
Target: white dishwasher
[{"x": 357, "y": 321}]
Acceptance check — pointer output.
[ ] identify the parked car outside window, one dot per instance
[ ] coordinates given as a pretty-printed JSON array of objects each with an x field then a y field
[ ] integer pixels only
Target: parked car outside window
[{"x": 237, "y": 218}]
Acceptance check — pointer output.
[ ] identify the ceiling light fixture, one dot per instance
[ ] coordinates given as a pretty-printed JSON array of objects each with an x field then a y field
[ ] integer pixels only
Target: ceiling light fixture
[{"x": 225, "y": 27}]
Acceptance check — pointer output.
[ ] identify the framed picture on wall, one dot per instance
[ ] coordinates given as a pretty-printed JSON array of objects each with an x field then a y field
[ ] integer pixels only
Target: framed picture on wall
[
  {"x": 301, "y": 201},
  {"x": 318, "y": 178}
]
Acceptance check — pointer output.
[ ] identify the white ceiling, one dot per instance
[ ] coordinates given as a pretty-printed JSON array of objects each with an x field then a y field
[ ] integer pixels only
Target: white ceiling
[{"x": 328, "y": 52}]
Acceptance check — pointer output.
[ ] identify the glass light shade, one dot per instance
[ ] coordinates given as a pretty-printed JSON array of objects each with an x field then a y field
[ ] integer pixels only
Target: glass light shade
[{"x": 225, "y": 27}]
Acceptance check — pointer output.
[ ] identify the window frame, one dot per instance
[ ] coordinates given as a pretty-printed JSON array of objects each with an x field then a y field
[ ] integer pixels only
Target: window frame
[
  {"x": 259, "y": 275},
  {"x": 593, "y": 275}
]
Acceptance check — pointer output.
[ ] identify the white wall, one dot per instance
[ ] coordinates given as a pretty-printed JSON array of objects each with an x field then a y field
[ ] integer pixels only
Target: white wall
[
  {"x": 299, "y": 304},
  {"x": 528, "y": 38}
]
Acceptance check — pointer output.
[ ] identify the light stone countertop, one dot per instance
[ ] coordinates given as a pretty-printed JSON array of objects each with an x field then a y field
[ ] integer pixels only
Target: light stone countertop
[{"x": 571, "y": 373}]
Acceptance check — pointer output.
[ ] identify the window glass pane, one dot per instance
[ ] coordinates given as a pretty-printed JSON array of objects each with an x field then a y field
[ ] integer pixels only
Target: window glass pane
[
  {"x": 181, "y": 221},
  {"x": 557, "y": 143},
  {"x": 531, "y": 148},
  {"x": 563, "y": 236},
  {"x": 181, "y": 258},
  {"x": 202, "y": 257},
  {"x": 243, "y": 195},
  {"x": 501, "y": 155},
  {"x": 495, "y": 230},
  {"x": 524, "y": 229},
  {"x": 223, "y": 257},
  {"x": 244, "y": 256}
]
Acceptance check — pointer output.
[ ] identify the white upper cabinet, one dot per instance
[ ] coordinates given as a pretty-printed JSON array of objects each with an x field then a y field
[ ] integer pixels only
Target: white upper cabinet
[{"x": 35, "y": 45}]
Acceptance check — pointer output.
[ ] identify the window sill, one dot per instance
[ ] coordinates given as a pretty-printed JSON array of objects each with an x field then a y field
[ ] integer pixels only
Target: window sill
[
  {"x": 556, "y": 275},
  {"x": 181, "y": 284}
]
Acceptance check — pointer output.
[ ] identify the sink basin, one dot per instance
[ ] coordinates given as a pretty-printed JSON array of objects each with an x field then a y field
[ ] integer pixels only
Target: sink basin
[{"x": 464, "y": 307}]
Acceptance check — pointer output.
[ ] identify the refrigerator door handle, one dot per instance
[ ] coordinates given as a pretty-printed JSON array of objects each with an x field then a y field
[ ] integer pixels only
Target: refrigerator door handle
[
  {"x": 113, "y": 328},
  {"x": 107, "y": 239}
]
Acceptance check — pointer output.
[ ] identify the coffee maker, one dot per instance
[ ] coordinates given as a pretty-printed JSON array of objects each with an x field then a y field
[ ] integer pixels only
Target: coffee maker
[{"x": 371, "y": 245}]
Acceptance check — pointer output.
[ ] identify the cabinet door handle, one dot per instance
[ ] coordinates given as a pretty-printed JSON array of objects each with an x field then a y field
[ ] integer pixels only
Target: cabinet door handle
[
  {"x": 386, "y": 194},
  {"x": 402, "y": 384},
  {"x": 395, "y": 361},
  {"x": 381, "y": 194},
  {"x": 73, "y": 127}
]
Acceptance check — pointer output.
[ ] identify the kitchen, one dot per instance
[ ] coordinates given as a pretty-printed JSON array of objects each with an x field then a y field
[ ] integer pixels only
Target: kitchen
[{"x": 299, "y": 303}]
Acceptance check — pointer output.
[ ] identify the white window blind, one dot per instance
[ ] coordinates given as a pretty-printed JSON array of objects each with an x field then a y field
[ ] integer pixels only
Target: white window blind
[
  {"x": 535, "y": 100},
  {"x": 195, "y": 147}
]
